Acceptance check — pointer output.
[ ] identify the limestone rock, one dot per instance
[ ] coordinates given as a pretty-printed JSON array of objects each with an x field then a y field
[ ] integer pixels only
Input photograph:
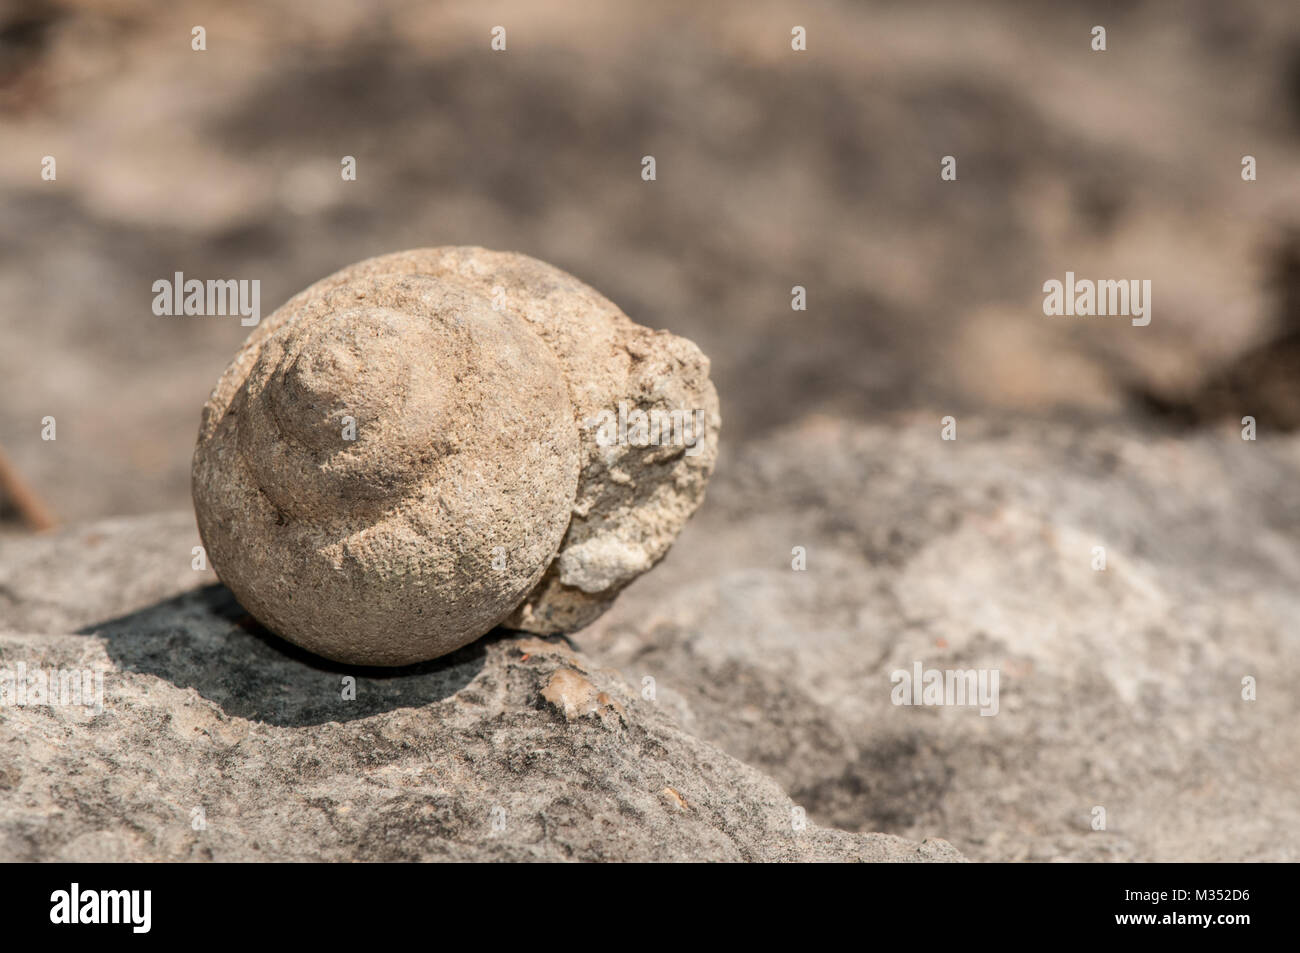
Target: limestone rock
[
  {"x": 219, "y": 741},
  {"x": 1120, "y": 688}
]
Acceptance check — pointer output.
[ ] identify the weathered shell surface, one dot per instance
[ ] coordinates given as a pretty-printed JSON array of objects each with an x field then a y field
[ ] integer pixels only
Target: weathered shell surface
[{"x": 476, "y": 489}]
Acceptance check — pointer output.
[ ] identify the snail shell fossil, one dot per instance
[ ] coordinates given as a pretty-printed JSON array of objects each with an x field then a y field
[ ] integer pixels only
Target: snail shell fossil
[{"x": 415, "y": 450}]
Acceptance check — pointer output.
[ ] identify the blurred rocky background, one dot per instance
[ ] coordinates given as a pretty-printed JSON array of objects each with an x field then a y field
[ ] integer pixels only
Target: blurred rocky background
[
  {"x": 774, "y": 169},
  {"x": 925, "y": 299}
]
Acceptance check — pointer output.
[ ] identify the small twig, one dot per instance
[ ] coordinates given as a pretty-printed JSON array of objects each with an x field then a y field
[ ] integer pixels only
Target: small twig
[{"x": 34, "y": 513}]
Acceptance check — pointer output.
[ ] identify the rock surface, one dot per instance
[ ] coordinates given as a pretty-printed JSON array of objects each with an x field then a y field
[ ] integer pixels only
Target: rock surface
[
  {"x": 1119, "y": 689},
  {"x": 400, "y": 454},
  {"x": 219, "y": 741}
]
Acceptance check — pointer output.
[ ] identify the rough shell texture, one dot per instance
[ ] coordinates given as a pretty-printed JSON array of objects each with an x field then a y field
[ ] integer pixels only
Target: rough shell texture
[{"x": 477, "y": 489}]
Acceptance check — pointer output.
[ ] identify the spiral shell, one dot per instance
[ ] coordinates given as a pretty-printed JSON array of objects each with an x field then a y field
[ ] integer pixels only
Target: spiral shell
[{"x": 406, "y": 455}]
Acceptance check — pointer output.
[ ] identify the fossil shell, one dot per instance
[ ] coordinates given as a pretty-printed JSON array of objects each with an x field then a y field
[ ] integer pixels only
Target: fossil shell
[{"x": 411, "y": 452}]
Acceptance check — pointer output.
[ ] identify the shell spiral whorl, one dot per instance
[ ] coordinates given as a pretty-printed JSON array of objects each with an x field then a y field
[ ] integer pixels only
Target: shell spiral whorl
[{"x": 396, "y": 461}]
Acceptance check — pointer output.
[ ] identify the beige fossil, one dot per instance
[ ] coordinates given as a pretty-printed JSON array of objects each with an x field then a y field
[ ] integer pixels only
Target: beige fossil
[{"x": 421, "y": 447}]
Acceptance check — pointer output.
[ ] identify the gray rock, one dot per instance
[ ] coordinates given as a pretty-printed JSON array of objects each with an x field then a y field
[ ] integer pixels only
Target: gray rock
[
  {"x": 1119, "y": 689},
  {"x": 219, "y": 741}
]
